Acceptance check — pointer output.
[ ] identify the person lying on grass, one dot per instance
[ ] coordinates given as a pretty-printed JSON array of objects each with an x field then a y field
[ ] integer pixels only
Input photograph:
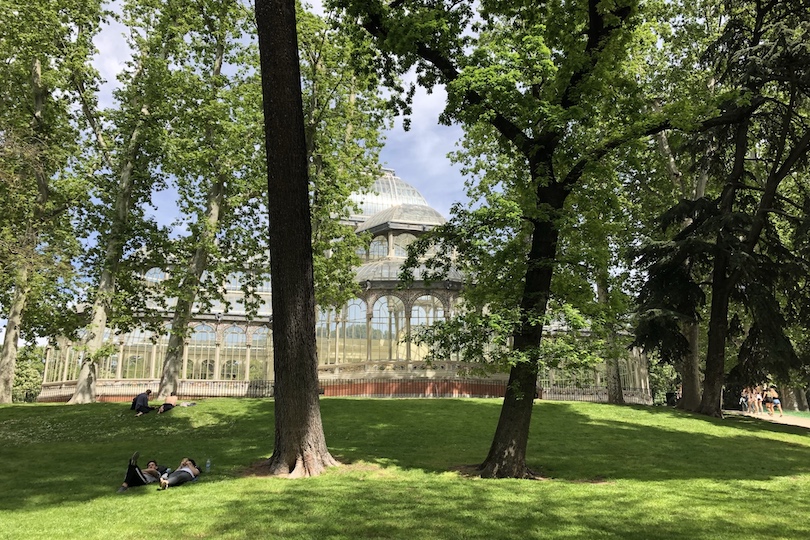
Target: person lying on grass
[
  {"x": 140, "y": 477},
  {"x": 171, "y": 401},
  {"x": 186, "y": 472}
]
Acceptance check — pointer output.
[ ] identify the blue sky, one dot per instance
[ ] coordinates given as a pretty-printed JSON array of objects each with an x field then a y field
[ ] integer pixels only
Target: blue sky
[{"x": 419, "y": 156}]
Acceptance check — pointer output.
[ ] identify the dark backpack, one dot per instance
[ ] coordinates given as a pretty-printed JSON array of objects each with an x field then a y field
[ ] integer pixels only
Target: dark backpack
[{"x": 132, "y": 408}]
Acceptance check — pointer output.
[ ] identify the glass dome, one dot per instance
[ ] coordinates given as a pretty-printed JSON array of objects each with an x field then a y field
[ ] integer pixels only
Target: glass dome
[{"x": 387, "y": 191}]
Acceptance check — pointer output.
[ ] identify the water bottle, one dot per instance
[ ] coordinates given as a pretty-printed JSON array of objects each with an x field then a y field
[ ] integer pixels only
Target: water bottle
[{"x": 208, "y": 465}]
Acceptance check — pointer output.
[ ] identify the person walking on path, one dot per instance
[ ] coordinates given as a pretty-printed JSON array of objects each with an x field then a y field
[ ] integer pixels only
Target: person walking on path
[
  {"x": 775, "y": 401},
  {"x": 757, "y": 400}
]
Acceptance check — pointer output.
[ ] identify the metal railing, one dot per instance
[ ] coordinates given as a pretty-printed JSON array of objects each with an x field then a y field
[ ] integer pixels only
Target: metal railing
[{"x": 377, "y": 388}]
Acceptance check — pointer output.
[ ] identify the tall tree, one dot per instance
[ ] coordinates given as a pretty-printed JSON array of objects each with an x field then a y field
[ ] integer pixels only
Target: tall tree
[
  {"x": 535, "y": 86},
  {"x": 129, "y": 144},
  {"x": 300, "y": 445},
  {"x": 40, "y": 190},
  {"x": 219, "y": 197},
  {"x": 556, "y": 97},
  {"x": 343, "y": 121},
  {"x": 732, "y": 238},
  {"x": 215, "y": 170}
]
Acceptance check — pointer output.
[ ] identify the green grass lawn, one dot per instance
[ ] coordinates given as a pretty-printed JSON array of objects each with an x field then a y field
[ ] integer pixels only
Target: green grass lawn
[{"x": 613, "y": 472}]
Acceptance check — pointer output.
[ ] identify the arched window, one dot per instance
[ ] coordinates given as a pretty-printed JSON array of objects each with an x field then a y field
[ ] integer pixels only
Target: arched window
[
  {"x": 401, "y": 243},
  {"x": 387, "y": 329},
  {"x": 354, "y": 331},
  {"x": 261, "y": 355},
  {"x": 155, "y": 275},
  {"x": 378, "y": 248},
  {"x": 326, "y": 336},
  {"x": 234, "y": 281},
  {"x": 201, "y": 352},
  {"x": 232, "y": 355},
  {"x": 137, "y": 355},
  {"x": 425, "y": 311}
]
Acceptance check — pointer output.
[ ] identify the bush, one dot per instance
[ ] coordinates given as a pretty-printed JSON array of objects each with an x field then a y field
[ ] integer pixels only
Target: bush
[{"x": 28, "y": 374}]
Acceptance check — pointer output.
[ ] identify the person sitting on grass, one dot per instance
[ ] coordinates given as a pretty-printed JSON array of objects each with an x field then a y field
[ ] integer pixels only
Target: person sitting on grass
[
  {"x": 171, "y": 401},
  {"x": 141, "y": 403},
  {"x": 186, "y": 472},
  {"x": 140, "y": 477}
]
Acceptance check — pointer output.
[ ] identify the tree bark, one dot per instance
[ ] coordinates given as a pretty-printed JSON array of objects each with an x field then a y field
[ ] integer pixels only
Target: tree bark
[
  {"x": 170, "y": 379},
  {"x": 8, "y": 356},
  {"x": 613, "y": 374},
  {"x": 300, "y": 445},
  {"x": 507, "y": 454},
  {"x": 801, "y": 398},
  {"x": 718, "y": 332},
  {"x": 172, "y": 362},
  {"x": 690, "y": 369}
]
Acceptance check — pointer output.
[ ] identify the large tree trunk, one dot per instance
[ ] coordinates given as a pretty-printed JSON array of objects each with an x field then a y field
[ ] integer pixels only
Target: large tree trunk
[
  {"x": 613, "y": 374},
  {"x": 172, "y": 362},
  {"x": 689, "y": 369},
  {"x": 170, "y": 379},
  {"x": 507, "y": 454},
  {"x": 718, "y": 332},
  {"x": 300, "y": 445},
  {"x": 614, "y": 381},
  {"x": 8, "y": 356},
  {"x": 85, "y": 391},
  {"x": 800, "y": 396},
  {"x": 721, "y": 287}
]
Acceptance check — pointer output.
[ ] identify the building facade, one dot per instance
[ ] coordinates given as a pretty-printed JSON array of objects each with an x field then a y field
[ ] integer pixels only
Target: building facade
[{"x": 229, "y": 354}]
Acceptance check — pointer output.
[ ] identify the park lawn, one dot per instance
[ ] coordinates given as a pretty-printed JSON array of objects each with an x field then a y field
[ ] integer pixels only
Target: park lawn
[{"x": 609, "y": 472}]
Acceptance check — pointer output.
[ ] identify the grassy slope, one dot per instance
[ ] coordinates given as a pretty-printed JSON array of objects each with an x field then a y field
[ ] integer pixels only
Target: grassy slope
[{"x": 615, "y": 472}]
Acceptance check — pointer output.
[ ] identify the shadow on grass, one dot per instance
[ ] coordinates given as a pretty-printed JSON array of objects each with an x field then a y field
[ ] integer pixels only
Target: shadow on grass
[
  {"x": 57, "y": 454},
  {"x": 70, "y": 454},
  {"x": 383, "y": 508},
  {"x": 661, "y": 444}
]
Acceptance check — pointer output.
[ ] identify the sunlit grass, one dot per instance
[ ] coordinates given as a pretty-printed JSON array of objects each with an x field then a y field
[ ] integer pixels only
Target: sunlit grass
[{"x": 611, "y": 472}]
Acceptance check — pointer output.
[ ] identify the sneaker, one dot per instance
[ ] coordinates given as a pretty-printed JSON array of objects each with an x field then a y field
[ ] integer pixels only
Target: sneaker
[
  {"x": 134, "y": 459},
  {"x": 122, "y": 489}
]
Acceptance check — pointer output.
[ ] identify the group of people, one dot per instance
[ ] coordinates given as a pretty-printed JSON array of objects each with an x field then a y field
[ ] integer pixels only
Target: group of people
[
  {"x": 141, "y": 403},
  {"x": 753, "y": 398},
  {"x": 187, "y": 471}
]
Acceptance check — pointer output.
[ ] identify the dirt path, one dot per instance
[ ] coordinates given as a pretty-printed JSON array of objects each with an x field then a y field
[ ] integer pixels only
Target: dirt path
[{"x": 775, "y": 419}]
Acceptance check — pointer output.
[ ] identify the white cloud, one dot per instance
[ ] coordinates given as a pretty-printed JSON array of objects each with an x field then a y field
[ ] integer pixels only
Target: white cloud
[
  {"x": 113, "y": 53},
  {"x": 419, "y": 156}
]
